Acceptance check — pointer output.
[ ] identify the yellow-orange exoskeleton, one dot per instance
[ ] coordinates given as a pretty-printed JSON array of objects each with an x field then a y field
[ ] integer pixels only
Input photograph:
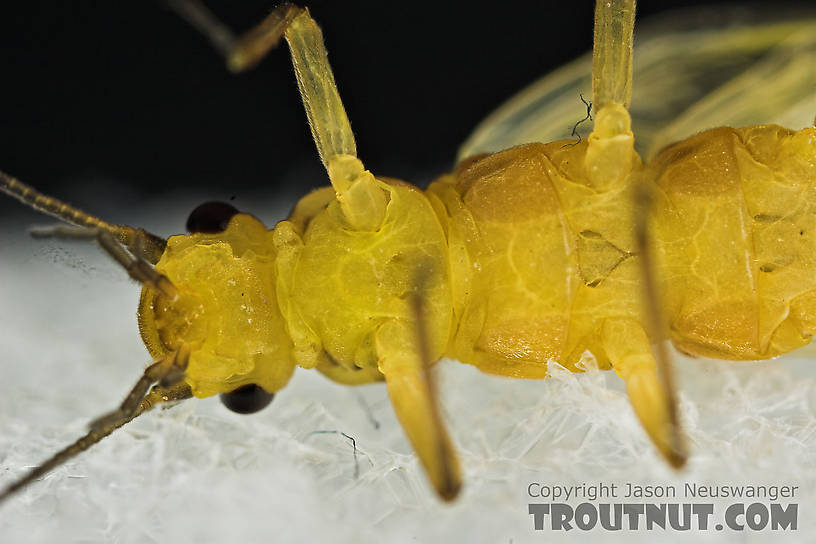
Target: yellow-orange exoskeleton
[{"x": 540, "y": 252}]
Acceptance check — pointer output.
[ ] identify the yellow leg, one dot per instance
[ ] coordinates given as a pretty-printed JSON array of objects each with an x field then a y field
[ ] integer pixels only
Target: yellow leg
[
  {"x": 327, "y": 116},
  {"x": 610, "y": 155},
  {"x": 413, "y": 397},
  {"x": 649, "y": 374},
  {"x": 629, "y": 351},
  {"x": 612, "y": 52},
  {"x": 362, "y": 201}
]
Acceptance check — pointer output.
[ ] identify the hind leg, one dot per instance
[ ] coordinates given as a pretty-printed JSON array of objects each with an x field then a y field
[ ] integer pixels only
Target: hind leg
[{"x": 630, "y": 353}]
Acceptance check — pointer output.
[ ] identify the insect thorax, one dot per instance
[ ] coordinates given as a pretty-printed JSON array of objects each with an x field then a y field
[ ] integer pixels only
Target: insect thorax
[
  {"x": 338, "y": 285},
  {"x": 313, "y": 292}
]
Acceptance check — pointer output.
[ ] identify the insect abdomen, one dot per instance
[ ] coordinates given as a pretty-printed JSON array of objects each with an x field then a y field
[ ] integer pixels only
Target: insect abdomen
[
  {"x": 542, "y": 261},
  {"x": 516, "y": 297},
  {"x": 736, "y": 227}
]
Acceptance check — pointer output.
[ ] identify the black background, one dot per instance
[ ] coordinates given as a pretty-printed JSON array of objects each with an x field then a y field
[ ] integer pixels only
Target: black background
[{"x": 118, "y": 100}]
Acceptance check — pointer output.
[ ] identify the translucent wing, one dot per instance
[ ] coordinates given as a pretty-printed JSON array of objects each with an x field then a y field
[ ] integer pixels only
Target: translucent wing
[{"x": 692, "y": 71}]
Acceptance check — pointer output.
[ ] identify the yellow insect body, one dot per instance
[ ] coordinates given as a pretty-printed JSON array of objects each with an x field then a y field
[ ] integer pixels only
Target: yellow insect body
[
  {"x": 544, "y": 259},
  {"x": 533, "y": 254},
  {"x": 531, "y": 264},
  {"x": 737, "y": 237}
]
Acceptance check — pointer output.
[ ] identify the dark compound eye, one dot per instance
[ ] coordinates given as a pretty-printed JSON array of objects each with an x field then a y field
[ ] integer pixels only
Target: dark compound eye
[
  {"x": 211, "y": 217},
  {"x": 247, "y": 399}
]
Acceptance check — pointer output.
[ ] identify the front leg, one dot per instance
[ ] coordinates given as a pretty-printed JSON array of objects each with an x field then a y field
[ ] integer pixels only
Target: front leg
[{"x": 407, "y": 377}]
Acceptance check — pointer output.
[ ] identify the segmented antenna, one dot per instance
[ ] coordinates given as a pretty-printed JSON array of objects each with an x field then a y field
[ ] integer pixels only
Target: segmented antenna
[
  {"x": 138, "y": 241},
  {"x": 131, "y": 408},
  {"x": 46, "y": 204}
]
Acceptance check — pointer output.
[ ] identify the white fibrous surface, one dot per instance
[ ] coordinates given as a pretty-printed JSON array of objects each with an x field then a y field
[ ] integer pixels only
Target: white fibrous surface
[{"x": 70, "y": 350}]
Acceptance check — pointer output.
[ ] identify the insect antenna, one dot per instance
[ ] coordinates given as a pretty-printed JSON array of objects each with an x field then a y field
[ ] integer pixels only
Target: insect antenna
[
  {"x": 136, "y": 267},
  {"x": 140, "y": 242},
  {"x": 167, "y": 374}
]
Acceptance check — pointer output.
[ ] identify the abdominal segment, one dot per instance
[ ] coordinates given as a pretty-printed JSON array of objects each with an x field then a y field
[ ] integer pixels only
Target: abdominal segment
[
  {"x": 735, "y": 224},
  {"x": 540, "y": 261},
  {"x": 547, "y": 260}
]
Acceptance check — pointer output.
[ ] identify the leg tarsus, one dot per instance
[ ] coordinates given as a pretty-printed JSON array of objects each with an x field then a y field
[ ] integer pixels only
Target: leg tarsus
[
  {"x": 241, "y": 52},
  {"x": 203, "y": 20},
  {"x": 327, "y": 117},
  {"x": 253, "y": 46}
]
